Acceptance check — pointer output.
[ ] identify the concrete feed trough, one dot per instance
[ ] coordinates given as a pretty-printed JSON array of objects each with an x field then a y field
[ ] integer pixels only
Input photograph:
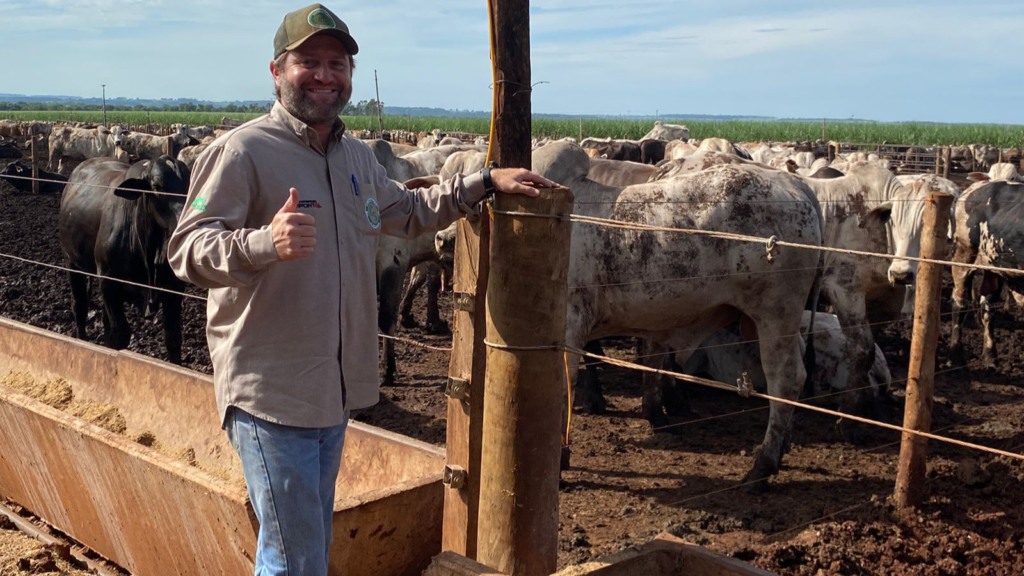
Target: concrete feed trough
[{"x": 155, "y": 487}]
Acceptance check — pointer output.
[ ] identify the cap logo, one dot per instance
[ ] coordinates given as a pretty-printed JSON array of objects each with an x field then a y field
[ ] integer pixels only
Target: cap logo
[{"x": 319, "y": 18}]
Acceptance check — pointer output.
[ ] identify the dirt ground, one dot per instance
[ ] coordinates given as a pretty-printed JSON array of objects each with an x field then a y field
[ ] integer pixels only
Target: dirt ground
[{"x": 827, "y": 512}]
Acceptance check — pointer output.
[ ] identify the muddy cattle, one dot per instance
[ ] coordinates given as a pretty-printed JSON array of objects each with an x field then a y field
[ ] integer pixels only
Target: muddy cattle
[{"x": 618, "y": 277}]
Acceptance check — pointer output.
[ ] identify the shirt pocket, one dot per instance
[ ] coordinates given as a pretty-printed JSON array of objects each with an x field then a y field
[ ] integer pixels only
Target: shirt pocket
[{"x": 365, "y": 208}]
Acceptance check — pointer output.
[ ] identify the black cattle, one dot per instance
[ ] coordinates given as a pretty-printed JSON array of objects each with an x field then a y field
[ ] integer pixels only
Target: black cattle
[
  {"x": 114, "y": 222},
  {"x": 9, "y": 149},
  {"x": 613, "y": 149},
  {"x": 827, "y": 172},
  {"x": 652, "y": 151},
  {"x": 19, "y": 175}
]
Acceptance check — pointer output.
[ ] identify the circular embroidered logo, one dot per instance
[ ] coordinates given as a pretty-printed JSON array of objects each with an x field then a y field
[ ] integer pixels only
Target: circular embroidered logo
[
  {"x": 372, "y": 212},
  {"x": 319, "y": 18}
]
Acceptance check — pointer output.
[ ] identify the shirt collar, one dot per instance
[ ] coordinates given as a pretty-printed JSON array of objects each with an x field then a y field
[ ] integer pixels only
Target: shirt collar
[{"x": 301, "y": 129}]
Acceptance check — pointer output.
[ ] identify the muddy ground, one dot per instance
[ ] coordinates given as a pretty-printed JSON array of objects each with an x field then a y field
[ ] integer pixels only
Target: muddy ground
[{"x": 827, "y": 512}]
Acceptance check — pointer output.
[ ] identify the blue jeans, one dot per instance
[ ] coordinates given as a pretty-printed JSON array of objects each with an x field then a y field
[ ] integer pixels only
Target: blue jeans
[{"x": 290, "y": 473}]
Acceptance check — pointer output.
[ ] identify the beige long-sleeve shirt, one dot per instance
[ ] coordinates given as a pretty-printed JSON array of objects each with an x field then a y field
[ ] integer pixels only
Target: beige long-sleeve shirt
[{"x": 295, "y": 342}]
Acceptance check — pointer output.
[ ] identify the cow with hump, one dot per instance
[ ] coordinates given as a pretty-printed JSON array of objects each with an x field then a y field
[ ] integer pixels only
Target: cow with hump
[
  {"x": 859, "y": 214},
  {"x": 114, "y": 222},
  {"x": 685, "y": 287}
]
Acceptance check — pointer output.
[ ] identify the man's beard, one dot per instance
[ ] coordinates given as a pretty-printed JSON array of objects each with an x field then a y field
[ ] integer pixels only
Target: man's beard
[{"x": 296, "y": 101}]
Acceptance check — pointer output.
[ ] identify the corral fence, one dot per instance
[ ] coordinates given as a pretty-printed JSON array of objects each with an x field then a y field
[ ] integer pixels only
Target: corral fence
[{"x": 909, "y": 159}]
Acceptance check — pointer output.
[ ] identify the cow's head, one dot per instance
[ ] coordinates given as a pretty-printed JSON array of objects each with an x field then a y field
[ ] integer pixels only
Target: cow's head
[
  {"x": 18, "y": 175},
  {"x": 160, "y": 185},
  {"x": 904, "y": 212}
]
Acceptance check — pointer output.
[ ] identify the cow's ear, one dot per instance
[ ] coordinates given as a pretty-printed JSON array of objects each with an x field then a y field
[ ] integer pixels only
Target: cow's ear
[
  {"x": 879, "y": 214},
  {"x": 977, "y": 176},
  {"x": 132, "y": 188}
]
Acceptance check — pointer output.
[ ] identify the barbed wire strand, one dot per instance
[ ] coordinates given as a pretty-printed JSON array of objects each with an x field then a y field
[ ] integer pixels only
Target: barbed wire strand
[
  {"x": 723, "y": 386},
  {"x": 619, "y": 224}
]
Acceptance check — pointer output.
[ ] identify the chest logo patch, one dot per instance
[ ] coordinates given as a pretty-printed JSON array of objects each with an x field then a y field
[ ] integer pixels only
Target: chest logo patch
[{"x": 372, "y": 212}]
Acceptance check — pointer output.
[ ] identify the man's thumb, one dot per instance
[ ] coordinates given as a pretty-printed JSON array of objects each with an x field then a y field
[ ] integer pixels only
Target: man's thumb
[{"x": 292, "y": 203}]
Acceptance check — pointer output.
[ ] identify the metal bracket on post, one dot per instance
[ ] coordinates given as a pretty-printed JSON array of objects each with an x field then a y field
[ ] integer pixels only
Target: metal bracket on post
[
  {"x": 454, "y": 477},
  {"x": 457, "y": 388},
  {"x": 463, "y": 302}
]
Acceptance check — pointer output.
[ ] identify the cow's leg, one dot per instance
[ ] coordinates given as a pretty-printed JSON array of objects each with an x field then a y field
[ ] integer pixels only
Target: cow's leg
[
  {"x": 850, "y": 307},
  {"x": 417, "y": 278},
  {"x": 390, "y": 293},
  {"x": 117, "y": 332},
  {"x": 435, "y": 325},
  {"x": 663, "y": 395},
  {"x": 79, "y": 301},
  {"x": 784, "y": 371},
  {"x": 171, "y": 304},
  {"x": 961, "y": 289},
  {"x": 988, "y": 353},
  {"x": 589, "y": 397}
]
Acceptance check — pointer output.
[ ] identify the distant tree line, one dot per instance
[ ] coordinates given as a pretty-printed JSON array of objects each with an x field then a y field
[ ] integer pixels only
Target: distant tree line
[
  {"x": 362, "y": 108},
  {"x": 84, "y": 107}
]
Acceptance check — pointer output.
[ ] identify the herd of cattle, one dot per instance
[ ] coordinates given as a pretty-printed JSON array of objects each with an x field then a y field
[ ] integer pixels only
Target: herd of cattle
[{"x": 685, "y": 295}]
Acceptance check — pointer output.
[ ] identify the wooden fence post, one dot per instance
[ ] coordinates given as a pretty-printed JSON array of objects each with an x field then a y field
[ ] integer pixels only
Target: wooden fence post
[
  {"x": 465, "y": 389},
  {"x": 34, "y": 151},
  {"x": 921, "y": 373},
  {"x": 525, "y": 383}
]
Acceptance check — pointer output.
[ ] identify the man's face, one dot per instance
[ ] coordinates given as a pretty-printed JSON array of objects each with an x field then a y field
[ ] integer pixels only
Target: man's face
[{"x": 315, "y": 82}]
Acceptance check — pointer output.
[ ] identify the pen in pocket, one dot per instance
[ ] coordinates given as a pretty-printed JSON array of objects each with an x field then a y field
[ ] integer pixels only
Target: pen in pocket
[{"x": 355, "y": 185}]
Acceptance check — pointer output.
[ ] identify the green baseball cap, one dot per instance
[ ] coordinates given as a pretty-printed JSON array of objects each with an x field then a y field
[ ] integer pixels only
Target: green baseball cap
[{"x": 300, "y": 25}]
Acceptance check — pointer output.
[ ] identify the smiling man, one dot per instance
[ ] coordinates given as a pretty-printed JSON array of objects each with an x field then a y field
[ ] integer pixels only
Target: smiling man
[{"x": 281, "y": 226}]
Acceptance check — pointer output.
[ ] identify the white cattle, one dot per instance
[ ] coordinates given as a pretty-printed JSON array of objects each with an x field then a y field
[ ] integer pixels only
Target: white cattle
[
  {"x": 77, "y": 144},
  {"x": 143, "y": 146},
  {"x": 905, "y": 215},
  {"x": 679, "y": 149},
  {"x": 422, "y": 162},
  {"x": 984, "y": 156},
  {"x": 10, "y": 129},
  {"x": 462, "y": 162},
  {"x": 189, "y": 154},
  {"x": 998, "y": 171},
  {"x": 667, "y": 132},
  {"x": 989, "y": 232},
  {"x": 430, "y": 140},
  {"x": 617, "y": 278},
  {"x": 858, "y": 288},
  {"x": 620, "y": 172},
  {"x": 725, "y": 357},
  {"x": 700, "y": 160},
  {"x": 197, "y": 132},
  {"x": 397, "y": 256}
]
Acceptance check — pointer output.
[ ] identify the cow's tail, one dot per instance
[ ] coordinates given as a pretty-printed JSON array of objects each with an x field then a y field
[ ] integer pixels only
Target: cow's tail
[{"x": 810, "y": 355}]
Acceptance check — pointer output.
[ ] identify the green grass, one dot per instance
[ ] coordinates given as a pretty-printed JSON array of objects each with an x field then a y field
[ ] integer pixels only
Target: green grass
[{"x": 919, "y": 133}]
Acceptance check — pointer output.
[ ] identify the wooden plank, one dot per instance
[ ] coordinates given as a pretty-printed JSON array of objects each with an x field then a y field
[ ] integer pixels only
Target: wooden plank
[{"x": 465, "y": 417}]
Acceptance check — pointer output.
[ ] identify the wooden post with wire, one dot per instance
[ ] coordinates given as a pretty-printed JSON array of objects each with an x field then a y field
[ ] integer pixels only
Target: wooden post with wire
[
  {"x": 921, "y": 372},
  {"x": 509, "y": 145},
  {"x": 465, "y": 389},
  {"x": 524, "y": 391},
  {"x": 511, "y": 123}
]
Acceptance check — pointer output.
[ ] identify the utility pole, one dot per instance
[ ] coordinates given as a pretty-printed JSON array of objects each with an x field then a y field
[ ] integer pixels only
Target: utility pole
[
  {"x": 380, "y": 107},
  {"x": 104, "y": 104}
]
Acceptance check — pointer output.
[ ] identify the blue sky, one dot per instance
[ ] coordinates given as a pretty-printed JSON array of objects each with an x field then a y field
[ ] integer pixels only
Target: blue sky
[{"x": 935, "y": 60}]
